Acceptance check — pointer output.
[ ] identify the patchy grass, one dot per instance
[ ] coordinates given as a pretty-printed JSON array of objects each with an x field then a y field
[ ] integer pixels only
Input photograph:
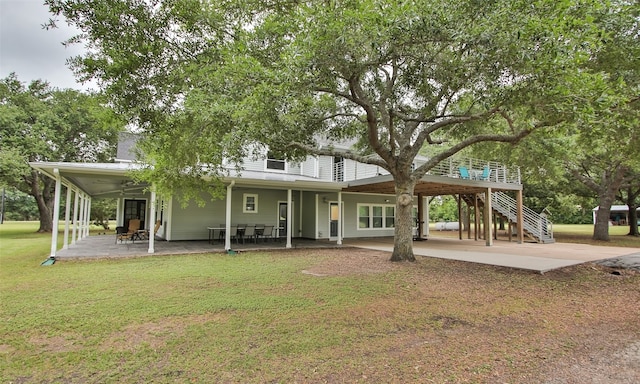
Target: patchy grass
[
  {"x": 305, "y": 316},
  {"x": 583, "y": 233}
]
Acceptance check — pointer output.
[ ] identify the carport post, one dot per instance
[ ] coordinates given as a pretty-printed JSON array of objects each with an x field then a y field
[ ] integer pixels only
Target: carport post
[
  {"x": 56, "y": 213},
  {"x": 67, "y": 213},
  {"x": 81, "y": 218},
  {"x": 227, "y": 232},
  {"x": 75, "y": 218},
  {"x": 339, "y": 242},
  {"x": 88, "y": 217},
  {"x": 152, "y": 214},
  {"x": 289, "y": 226}
]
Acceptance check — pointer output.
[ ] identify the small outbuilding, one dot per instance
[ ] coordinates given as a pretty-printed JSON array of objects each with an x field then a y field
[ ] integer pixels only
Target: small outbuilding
[{"x": 619, "y": 214}]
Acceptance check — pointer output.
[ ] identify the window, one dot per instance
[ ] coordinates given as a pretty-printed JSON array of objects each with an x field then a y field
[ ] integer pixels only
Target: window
[
  {"x": 275, "y": 162},
  {"x": 249, "y": 203},
  {"x": 390, "y": 216},
  {"x": 376, "y": 216},
  {"x": 363, "y": 216}
]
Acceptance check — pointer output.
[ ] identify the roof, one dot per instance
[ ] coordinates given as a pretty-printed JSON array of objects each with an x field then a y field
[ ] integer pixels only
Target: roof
[
  {"x": 617, "y": 208},
  {"x": 111, "y": 179}
]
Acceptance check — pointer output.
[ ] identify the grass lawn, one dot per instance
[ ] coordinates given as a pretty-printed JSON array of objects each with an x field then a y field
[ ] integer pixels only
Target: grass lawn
[{"x": 339, "y": 315}]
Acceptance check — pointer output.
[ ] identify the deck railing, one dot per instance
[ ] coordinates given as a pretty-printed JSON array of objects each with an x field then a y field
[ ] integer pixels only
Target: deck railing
[{"x": 499, "y": 173}]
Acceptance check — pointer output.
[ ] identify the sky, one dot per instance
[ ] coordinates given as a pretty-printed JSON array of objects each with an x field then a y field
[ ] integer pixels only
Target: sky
[{"x": 33, "y": 52}]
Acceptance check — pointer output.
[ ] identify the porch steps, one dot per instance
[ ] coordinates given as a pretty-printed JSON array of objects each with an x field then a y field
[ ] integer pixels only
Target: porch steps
[{"x": 535, "y": 226}]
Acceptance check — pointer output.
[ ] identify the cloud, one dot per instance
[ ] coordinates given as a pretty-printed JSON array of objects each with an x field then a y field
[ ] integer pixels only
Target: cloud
[{"x": 33, "y": 52}]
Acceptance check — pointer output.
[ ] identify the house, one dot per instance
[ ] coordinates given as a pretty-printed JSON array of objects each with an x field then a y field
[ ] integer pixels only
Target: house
[
  {"x": 320, "y": 198},
  {"x": 618, "y": 215}
]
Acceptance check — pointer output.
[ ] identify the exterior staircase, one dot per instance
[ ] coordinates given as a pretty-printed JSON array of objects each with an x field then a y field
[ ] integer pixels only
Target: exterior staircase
[{"x": 536, "y": 226}]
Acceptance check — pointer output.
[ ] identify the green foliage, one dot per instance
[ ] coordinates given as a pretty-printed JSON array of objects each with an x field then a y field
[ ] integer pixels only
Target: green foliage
[
  {"x": 38, "y": 123},
  {"x": 223, "y": 80},
  {"x": 19, "y": 206},
  {"x": 443, "y": 208}
]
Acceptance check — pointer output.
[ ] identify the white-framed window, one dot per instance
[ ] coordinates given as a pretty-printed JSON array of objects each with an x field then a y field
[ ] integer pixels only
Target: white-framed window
[
  {"x": 376, "y": 216},
  {"x": 275, "y": 163},
  {"x": 249, "y": 203}
]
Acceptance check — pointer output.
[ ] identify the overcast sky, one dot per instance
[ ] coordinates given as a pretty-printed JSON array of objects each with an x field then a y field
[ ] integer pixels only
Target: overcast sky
[{"x": 31, "y": 51}]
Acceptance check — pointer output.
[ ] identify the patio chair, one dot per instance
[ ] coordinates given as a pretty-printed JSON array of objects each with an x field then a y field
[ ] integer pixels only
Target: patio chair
[
  {"x": 249, "y": 233},
  {"x": 134, "y": 226},
  {"x": 267, "y": 232},
  {"x": 486, "y": 172},
  {"x": 464, "y": 172},
  {"x": 146, "y": 234},
  {"x": 120, "y": 231}
]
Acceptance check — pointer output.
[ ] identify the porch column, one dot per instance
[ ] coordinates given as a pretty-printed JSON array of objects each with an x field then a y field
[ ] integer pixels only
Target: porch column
[
  {"x": 339, "y": 242},
  {"x": 67, "y": 213},
  {"x": 86, "y": 230},
  {"x": 487, "y": 218},
  {"x": 425, "y": 202},
  {"x": 520, "y": 217},
  {"x": 75, "y": 217},
  {"x": 119, "y": 212},
  {"x": 81, "y": 218},
  {"x": 56, "y": 213},
  {"x": 227, "y": 232},
  {"x": 288, "y": 218},
  {"x": 152, "y": 222}
]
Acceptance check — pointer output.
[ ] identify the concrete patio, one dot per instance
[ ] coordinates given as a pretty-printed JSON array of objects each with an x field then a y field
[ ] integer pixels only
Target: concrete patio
[{"x": 528, "y": 256}]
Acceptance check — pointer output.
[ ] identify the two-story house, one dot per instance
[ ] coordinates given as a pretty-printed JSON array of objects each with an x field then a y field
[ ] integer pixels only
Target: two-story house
[{"x": 322, "y": 197}]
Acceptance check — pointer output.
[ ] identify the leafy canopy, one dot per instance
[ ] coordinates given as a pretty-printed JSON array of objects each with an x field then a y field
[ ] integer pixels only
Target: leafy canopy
[{"x": 226, "y": 79}]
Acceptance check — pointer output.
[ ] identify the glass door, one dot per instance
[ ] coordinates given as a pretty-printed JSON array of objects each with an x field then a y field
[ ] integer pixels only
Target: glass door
[
  {"x": 282, "y": 219},
  {"x": 135, "y": 209},
  {"x": 334, "y": 220}
]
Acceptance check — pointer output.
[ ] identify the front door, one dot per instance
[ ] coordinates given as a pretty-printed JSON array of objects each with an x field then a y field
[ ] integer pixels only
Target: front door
[
  {"x": 135, "y": 209},
  {"x": 282, "y": 219},
  {"x": 334, "y": 220}
]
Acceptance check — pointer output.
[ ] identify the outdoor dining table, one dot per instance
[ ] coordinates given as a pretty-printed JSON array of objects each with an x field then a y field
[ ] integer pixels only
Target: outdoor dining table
[{"x": 212, "y": 233}]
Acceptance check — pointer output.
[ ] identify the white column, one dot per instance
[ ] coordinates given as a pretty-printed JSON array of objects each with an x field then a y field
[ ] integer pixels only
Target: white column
[
  {"x": 56, "y": 213},
  {"x": 75, "y": 217},
  {"x": 81, "y": 218},
  {"x": 227, "y": 232},
  {"x": 427, "y": 219},
  {"x": 289, "y": 226},
  {"x": 339, "y": 242},
  {"x": 67, "y": 213},
  {"x": 119, "y": 213},
  {"x": 152, "y": 222},
  {"x": 86, "y": 230}
]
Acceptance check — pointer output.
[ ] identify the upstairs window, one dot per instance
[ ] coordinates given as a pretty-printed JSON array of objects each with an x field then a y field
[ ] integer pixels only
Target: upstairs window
[{"x": 275, "y": 163}]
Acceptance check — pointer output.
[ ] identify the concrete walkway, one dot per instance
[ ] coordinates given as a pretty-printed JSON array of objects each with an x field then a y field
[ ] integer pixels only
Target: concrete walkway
[{"x": 528, "y": 256}]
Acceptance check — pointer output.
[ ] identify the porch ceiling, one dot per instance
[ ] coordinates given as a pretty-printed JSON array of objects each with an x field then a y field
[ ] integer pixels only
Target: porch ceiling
[{"x": 430, "y": 186}]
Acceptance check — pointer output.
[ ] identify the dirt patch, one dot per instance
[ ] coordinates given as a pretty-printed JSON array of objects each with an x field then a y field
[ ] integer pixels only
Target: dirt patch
[
  {"x": 353, "y": 261},
  {"x": 154, "y": 335},
  {"x": 577, "y": 341}
]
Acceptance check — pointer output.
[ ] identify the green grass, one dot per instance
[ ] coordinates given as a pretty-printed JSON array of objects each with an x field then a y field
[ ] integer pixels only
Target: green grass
[
  {"x": 582, "y": 233},
  {"x": 255, "y": 317}
]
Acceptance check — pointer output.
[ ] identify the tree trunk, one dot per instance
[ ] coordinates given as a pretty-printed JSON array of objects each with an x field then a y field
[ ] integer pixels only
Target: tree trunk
[
  {"x": 601, "y": 228},
  {"x": 44, "y": 199},
  {"x": 633, "y": 219},
  {"x": 403, "y": 241}
]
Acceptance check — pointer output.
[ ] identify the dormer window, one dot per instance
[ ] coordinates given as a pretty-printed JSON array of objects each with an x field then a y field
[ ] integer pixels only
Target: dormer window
[{"x": 275, "y": 163}]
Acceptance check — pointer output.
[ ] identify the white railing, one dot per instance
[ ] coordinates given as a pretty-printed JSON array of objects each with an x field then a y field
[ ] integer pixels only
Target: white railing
[
  {"x": 535, "y": 224},
  {"x": 499, "y": 173}
]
